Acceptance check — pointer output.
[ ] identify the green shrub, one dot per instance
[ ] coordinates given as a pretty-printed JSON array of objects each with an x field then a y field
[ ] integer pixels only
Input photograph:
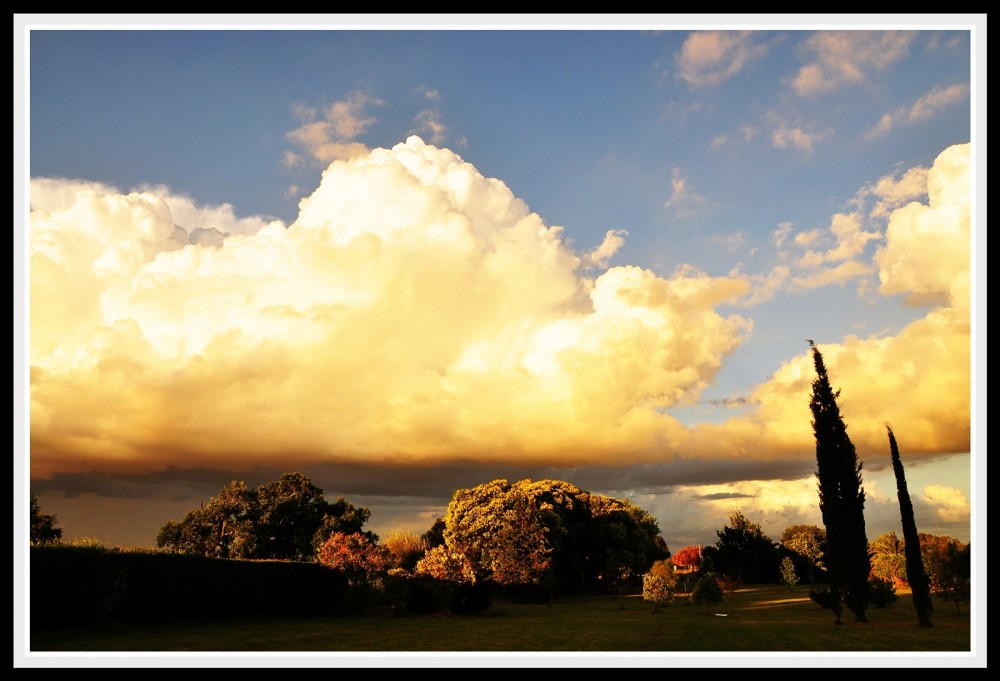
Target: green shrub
[
  {"x": 657, "y": 589},
  {"x": 788, "y": 575},
  {"x": 881, "y": 592},
  {"x": 706, "y": 590}
]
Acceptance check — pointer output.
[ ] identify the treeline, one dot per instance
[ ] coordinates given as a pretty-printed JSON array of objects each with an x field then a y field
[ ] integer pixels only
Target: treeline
[
  {"x": 528, "y": 540},
  {"x": 547, "y": 532},
  {"x": 744, "y": 554}
]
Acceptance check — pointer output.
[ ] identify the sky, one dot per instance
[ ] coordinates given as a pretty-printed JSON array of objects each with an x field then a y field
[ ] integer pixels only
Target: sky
[{"x": 413, "y": 258}]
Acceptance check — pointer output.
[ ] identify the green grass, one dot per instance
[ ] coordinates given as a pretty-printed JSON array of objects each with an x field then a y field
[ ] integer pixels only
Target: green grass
[{"x": 759, "y": 619}]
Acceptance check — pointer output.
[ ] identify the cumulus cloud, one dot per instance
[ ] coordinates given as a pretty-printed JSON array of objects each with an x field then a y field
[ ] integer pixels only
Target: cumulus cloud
[
  {"x": 848, "y": 236},
  {"x": 709, "y": 58},
  {"x": 614, "y": 239},
  {"x": 766, "y": 285},
  {"x": 49, "y": 195},
  {"x": 822, "y": 257},
  {"x": 891, "y": 193},
  {"x": 844, "y": 58},
  {"x": 331, "y": 134},
  {"x": 950, "y": 504},
  {"x": 923, "y": 109},
  {"x": 414, "y": 311},
  {"x": 927, "y": 254},
  {"x": 919, "y": 377}
]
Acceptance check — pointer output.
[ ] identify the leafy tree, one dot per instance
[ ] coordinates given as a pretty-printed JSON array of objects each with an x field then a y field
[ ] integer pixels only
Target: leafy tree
[
  {"x": 222, "y": 528},
  {"x": 356, "y": 555},
  {"x": 888, "y": 558},
  {"x": 440, "y": 563},
  {"x": 344, "y": 517},
  {"x": 363, "y": 562},
  {"x": 549, "y": 532},
  {"x": 687, "y": 559},
  {"x": 806, "y": 543},
  {"x": 488, "y": 525},
  {"x": 450, "y": 573},
  {"x": 291, "y": 511},
  {"x": 706, "y": 590},
  {"x": 915, "y": 573},
  {"x": 949, "y": 567},
  {"x": 659, "y": 584},
  {"x": 788, "y": 575},
  {"x": 744, "y": 551},
  {"x": 882, "y": 592},
  {"x": 44, "y": 527},
  {"x": 621, "y": 539},
  {"x": 284, "y": 519},
  {"x": 435, "y": 536},
  {"x": 841, "y": 498}
]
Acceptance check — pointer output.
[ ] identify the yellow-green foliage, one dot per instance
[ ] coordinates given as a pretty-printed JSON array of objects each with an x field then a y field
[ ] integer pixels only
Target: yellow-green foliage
[
  {"x": 660, "y": 583},
  {"x": 406, "y": 548},
  {"x": 86, "y": 542}
]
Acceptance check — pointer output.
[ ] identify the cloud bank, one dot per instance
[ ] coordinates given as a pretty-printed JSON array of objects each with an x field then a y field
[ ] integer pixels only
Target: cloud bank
[{"x": 415, "y": 311}]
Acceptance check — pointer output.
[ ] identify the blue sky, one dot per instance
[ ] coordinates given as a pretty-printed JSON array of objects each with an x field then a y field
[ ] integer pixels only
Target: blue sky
[{"x": 592, "y": 254}]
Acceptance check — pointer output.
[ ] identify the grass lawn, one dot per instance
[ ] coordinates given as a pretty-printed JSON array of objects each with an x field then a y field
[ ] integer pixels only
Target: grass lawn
[{"x": 759, "y": 619}]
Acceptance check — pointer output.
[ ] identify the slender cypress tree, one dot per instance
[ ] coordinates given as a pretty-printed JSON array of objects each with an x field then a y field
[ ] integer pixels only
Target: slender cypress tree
[
  {"x": 915, "y": 573},
  {"x": 841, "y": 498}
]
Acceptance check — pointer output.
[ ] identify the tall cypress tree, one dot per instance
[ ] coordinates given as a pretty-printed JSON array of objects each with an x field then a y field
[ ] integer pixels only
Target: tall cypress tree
[
  {"x": 841, "y": 498},
  {"x": 915, "y": 573}
]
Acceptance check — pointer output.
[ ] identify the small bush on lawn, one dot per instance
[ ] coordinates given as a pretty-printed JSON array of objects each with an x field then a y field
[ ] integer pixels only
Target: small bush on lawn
[
  {"x": 821, "y": 596},
  {"x": 882, "y": 593}
]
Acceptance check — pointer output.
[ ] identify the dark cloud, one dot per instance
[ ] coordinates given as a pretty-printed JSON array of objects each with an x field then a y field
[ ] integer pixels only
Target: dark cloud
[
  {"x": 723, "y": 495},
  {"x": 394, "y": 483}
]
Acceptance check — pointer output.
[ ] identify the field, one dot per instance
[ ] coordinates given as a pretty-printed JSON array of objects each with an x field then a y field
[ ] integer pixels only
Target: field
[{"x": 764, "y": 619}]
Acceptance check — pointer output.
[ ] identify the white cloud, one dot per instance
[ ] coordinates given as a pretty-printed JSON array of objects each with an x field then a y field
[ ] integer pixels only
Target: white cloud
[
  {"x": 415, "y": 309},
  {"x": 950, "y": 504},
  {"x": 765, "y": 286},
  {"x": 709, "y": 58},
  {"x": 892, "y": 193},
  {"x": 49, "y": 195},
  {"x": 683, "y": 199},
  {"x": 429, "y": 121},
  {"x": 780, "y": 234},
  {"x": 844, "y": 58},
  {"x": 922, "y": 109},
  {"x": 614, "y": 239},
  {"x": 926, "y": 255},
  {"x": 331, "y": 134},
  {"x": 819, "y": 276},
  {"x": 832, "y": 254},
  {"x": 787, "y": 136}
]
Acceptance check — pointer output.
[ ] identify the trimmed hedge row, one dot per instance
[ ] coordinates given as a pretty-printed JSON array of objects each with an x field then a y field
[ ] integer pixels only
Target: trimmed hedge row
[{"x": 73, "y": 585}]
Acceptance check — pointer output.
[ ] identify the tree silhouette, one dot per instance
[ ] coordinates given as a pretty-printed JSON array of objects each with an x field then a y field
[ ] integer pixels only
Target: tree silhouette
[
  {"x": 745, "y": 552},
  {"x": 915, "y": 574},
  {"x": 44, "y": 527},
  {"x": 841, "y": 498}
]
